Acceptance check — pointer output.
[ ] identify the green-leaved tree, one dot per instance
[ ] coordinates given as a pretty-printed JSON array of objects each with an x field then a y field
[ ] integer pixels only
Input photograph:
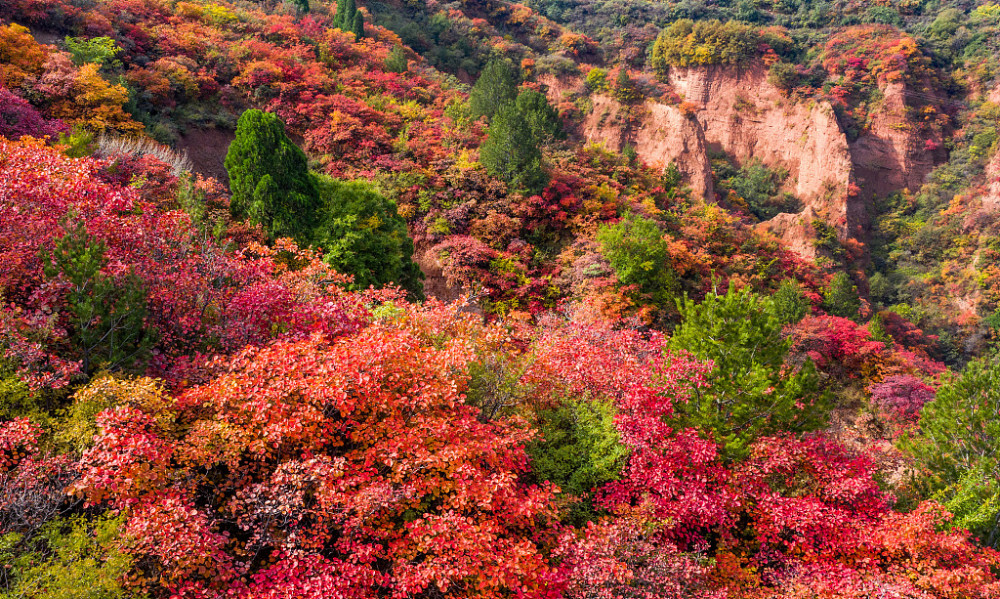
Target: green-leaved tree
[
  {"x": 638, "y": 253},
  {"x": 269, "y": 178},
  {"x": 362, "y": 234},
  {"x": 752, "y": 391}
]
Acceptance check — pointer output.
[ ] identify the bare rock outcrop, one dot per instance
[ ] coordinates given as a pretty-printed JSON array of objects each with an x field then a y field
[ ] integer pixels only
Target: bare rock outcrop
[
  {"x": 891, "y": 155},
  {"x": 748, "y": 117},
  {"x": 660, "y": 133}
]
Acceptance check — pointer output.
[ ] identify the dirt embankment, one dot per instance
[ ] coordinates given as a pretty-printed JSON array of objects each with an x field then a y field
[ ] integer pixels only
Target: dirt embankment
[{"x": 207, "y": 150}]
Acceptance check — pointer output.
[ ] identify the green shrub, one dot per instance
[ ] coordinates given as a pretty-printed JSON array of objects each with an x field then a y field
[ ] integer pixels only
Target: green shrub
[
  {"x": 638, "y": 253},
  {"x": 362, "y": 234},
  {"x": 71, "y": 558},
  {"x": 689, "y": 43},
  {"x": 579, "y": 451}
]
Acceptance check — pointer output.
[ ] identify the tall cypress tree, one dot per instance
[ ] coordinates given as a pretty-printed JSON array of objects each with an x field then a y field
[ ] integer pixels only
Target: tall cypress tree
[
  {"x": 358, "y": 25},
  {"x": 349, "y": 18},
  {"x": 496, "y": 86},
  {"x": 511, "y": 152},
  {"x": 269, "y": 177}
]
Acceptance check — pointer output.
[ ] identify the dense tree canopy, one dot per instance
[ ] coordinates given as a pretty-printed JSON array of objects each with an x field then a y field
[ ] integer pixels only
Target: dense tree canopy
[{"x": 269, "y": 177}]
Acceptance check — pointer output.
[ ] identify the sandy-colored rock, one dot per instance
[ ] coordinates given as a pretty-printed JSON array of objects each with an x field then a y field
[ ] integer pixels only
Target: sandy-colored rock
[
  {"x": 745, "y": 115},
  {"x": 891, "y": 155},
  {"x": 660, "y": 133}
]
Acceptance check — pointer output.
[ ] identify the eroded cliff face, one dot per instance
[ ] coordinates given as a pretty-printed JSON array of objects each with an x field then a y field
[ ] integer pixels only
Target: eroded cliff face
[
  {"x": 660, "y": 133},
  {"x": 892, "y": 154},
  {"x": 736, "y": 109},
  {"x": 747, "y": 117}
]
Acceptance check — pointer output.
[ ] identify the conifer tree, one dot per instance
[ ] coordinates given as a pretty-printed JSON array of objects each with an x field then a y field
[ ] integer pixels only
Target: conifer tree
[
  {"x": 269, "y": 177},
  {"x": 349, "y": 18},
  {"x": 511, "y": 152},
  {"x": 752, "y": 392},
  {"x": 496, "y": 86},
  {"x": 542, "y": 118},
  {"x": 358, "y": 25}
]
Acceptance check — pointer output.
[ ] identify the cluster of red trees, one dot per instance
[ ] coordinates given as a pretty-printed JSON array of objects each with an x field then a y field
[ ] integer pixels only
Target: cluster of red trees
[{"x": 357, "y": 445}]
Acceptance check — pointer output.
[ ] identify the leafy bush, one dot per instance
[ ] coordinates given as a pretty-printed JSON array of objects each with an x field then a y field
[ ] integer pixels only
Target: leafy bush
[
  {"x": 362, "y": 235},
  {"x": 689, "y": 43},
  {"x": 580, "y": 451},
  {"x": 70, "y": 559},
  {"x": 638, "y": 253},
  {"x": 760, "y": 187}
]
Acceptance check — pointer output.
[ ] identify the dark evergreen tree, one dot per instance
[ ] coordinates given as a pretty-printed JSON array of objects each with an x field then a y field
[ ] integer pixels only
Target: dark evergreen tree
[
  {"x": 542, "y": 118},
  {"x": 301, "y": 5},
  {"x": 511, "y": 152},
  {"x": 349, "y": 18},
  {"x": 790, "y": 302},
  {"x": 496, "y": 86},
  {"x": 358, "y": 25},
  {"x": 269, "y": 178}
]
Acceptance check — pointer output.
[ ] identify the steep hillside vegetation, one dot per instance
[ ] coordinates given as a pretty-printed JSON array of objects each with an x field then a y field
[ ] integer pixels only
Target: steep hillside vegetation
[{"x": 482, "y": 299}]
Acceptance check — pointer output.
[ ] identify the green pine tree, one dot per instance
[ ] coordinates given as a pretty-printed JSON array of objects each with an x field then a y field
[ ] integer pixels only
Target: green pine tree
[
  {"x": 496, "y": 86},
  {"x": 269, "y": 178},
  {"x": 107, "y": 314},
  {"x": 752, "y": 392},
  {"x": 358, "y": 25},
  {"x": 543, "y": 120},
  {"x": 790, "y": 303},
  {"x": 511, "y": 152},
  {"x": 301, "y": 5}
]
